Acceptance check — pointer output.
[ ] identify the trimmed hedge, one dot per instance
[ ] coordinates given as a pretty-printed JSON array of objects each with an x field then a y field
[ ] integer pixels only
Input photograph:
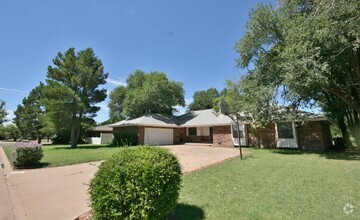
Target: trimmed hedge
[
  {"x": 136, "y": 183},
  {"x": 26, "y": 154}
]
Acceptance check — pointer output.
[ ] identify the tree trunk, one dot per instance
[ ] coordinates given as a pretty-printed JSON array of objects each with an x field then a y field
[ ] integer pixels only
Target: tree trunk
[
  {"x": 39, "y": 139},
  {"x": 344, "y": 131},
  {"x": 356, "y": 129},
  {"x": 77, "y": 137},
  {"x": 73, "y": 137}
]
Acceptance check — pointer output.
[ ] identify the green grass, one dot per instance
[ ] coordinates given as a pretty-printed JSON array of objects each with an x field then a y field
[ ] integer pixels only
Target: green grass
[
  {"x": 59, "y": 155},
  {"x": 274, "y": 184}
]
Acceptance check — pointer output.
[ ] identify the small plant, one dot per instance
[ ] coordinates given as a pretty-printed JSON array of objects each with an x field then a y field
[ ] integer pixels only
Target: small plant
[
  {"x": 136, "y": 183},
  {"x": 27, "y": 154}
]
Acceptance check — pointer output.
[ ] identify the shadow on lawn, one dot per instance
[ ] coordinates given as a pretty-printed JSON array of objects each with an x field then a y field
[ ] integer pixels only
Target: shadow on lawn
[
  {"x": 85, "y": 147},
  {"x": 348, "y": 154},
  {"x": 185, "y": 211}
]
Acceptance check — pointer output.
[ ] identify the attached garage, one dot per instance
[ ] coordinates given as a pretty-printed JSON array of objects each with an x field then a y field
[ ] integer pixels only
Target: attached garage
[{"x": 159, "y": 136}]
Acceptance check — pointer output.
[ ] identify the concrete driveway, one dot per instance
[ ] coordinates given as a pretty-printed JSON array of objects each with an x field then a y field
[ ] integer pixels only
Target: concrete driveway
[
  {"x": 61, "y": 192},
  {"x": 195, "y": 157}
]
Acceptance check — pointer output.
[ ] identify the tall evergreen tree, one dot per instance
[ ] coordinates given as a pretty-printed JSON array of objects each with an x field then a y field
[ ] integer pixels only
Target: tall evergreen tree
[
  {"x": 28, "y": 115},
  {"x": 72, "y": 90}
]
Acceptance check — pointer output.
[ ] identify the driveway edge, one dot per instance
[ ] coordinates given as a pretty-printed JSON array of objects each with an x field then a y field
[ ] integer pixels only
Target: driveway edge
[
  {"x": 6, "y": 208},
  {"x": 5, "y": 163}
]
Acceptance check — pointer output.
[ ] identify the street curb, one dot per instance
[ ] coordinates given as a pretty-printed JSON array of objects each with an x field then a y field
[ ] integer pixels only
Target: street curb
[{"x": 4, "y": 162}]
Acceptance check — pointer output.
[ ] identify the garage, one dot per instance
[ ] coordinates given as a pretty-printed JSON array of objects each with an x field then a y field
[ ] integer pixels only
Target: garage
[{"x": 159, "y": 136}]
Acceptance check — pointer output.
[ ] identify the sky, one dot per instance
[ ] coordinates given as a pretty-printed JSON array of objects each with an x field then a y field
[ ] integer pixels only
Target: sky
[{"x": 191, "y": 41}]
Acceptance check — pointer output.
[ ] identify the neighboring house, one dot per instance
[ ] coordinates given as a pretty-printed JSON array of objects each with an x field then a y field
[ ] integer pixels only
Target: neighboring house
[
  {"x": 207, "y": 126},
  {"x": 100, "y": 135}
]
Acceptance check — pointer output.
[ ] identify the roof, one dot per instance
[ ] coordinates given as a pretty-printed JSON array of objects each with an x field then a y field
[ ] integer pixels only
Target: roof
[
  {"x": 150, "y": 120},
  {"x": 192, "y": 119},
  {"x": 103, "y": 128},
  {"x": 201, "y": 118},
  {"x": 206, "y": 117}
]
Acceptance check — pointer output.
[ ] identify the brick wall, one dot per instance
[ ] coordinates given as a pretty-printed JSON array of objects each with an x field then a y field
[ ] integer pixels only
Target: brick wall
[
  {"x": 314, "y": 135},
  {"x": 267, "y": 136},
  {"x": 222, "y": 136},
  {"x": 197, "y": 139}
]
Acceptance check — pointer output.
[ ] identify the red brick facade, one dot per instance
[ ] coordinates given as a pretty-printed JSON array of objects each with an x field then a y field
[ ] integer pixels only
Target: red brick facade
[
  {"x": 222, "y": 136},
  {"x": 197, "y": 139},
  {"x": 314, "y": 135},
  {"x": 266, "y": 135}
]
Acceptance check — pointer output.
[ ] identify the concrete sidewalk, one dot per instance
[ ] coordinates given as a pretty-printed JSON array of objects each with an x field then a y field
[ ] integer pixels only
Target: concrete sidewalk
[
  {"x": 6, "y": 207},
  {"x": 61, "y": 192}
]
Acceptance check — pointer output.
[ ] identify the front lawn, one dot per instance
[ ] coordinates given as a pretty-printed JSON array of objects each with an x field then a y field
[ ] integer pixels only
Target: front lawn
[
  {"x": 274, "y": 184},
  {"x": 59, "y": 155}
]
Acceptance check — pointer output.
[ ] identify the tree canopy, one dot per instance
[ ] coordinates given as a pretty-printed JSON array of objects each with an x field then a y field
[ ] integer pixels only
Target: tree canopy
[
  {"x": 116, "y": 104},
  {"x": 308, "y": 52},
  {"x": 72, "y": 90},
  {"x": 29, "y": 115},
  {"x": 3, "y": 112},
  {"x": 204, "y": 99},
  {"x": 12, "y": 131},
  {"x": 144, "y": 93}
]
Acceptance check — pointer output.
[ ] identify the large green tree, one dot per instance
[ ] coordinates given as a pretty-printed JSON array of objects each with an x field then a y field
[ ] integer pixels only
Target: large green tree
[
  {"x": 204, "y": 99},
  {"x": 29, "y": 115},
  {"x": 146, "y": 93},
  {"x": 12, "y": 132},
  {"x": 116, "y": 104},
  {"x": 307, "y": 51},
  {"x": 3, "y": 112},
  {"x": 72, "y": 90}
]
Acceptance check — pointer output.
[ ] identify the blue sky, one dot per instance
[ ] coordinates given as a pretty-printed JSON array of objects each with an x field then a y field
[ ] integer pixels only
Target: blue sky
[{"x": 191, "y": 41}]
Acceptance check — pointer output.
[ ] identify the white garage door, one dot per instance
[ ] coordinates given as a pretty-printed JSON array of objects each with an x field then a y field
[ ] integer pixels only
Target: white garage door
[{"x": 158, "y": 136}]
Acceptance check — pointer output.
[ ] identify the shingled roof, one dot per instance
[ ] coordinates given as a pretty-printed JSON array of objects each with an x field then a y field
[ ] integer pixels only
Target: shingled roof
[{"x": 206, "y": 117}]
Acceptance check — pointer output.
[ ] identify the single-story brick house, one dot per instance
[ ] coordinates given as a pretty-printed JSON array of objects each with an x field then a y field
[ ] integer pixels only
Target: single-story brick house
[{"x": 207, "y": 126}]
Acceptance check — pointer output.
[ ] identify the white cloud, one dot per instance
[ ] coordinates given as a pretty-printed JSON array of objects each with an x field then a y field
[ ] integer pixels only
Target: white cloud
[
  {"x": 116, "y": 82},
  {"x": 9, "y": 117},
  {"x": 13, "y": 90}
]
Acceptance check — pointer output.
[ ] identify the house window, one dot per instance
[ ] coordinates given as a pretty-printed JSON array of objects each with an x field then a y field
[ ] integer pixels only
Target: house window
[
  {"x": 285, "y": 130},
  {"x": 192, "y": 131},
  {"x": 236, "y": 133}
]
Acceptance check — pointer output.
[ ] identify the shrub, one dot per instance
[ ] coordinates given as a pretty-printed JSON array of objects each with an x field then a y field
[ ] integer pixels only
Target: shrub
[
  {"x": 125, "y": 139},
  {"x": 136, "y": 183},
  {"x": 27, "y": 154}
]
